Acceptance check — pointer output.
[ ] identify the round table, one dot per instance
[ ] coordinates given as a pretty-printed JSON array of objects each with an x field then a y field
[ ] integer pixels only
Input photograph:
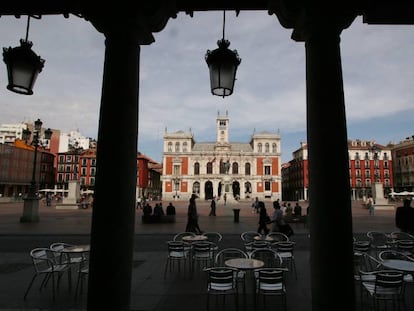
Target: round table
[
  {"x": 263, "y": 238},
  {"x": 194, "y": 238},
  {"x": 77, "y": 249},
  {"x": 399, "y": 264},
  {"x": 244, "y": 263}
]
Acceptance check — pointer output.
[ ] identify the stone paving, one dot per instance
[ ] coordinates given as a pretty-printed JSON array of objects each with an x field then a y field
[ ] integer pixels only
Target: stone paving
[{"x": 150, "y": 291}]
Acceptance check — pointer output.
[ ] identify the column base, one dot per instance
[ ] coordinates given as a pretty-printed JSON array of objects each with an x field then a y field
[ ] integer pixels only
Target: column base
[{"x": 30, "y": 210}]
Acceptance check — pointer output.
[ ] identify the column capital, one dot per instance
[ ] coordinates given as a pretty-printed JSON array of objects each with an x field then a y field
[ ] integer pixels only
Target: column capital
[
  {"x": 120, "y": 17},
  {"x": 307, "y": 19}
]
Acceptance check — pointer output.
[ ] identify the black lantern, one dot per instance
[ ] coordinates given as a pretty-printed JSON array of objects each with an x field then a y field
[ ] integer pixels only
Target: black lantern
[
  {"x": 222, "y": 63},
  {"x": 23, "y": 66}
]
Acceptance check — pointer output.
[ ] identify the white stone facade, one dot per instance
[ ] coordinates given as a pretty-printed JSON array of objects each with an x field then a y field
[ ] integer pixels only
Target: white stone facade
[{"x": 212, "y": 169}]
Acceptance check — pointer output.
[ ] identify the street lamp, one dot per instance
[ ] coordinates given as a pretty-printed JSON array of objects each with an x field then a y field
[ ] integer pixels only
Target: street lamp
[{"x": 31, "y": 202}]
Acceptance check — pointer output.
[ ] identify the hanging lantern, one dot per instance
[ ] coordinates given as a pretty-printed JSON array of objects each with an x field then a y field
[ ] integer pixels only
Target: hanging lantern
[
  {"x": 222, "y": 63},
  {"x": 23, "y": 66}
]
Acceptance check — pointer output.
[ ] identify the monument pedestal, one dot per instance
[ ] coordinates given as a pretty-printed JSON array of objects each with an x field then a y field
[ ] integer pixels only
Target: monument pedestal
[
  {"x": 73, "y": 198},
  {"x": 381, "y": 203}
]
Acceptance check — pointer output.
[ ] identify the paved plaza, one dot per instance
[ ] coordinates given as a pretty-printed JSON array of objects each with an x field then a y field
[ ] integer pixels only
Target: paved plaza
[{"x": 150, "y": 291}]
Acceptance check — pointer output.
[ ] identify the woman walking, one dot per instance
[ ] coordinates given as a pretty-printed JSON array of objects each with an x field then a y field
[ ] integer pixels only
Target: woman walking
[{"x": 192, "y": 216}]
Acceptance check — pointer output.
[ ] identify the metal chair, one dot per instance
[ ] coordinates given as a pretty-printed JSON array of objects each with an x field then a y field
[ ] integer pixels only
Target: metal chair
[
  {"x": 231, "y": 253},
  {"x": 83, "y": 273},
  {"x": 388, "y": 286},
  {"x": 202, "y": 255},
  {"x": 379, "y": 241},
  {"x": 44, "y": 263},
  {"x": 270, "y": 282},
  {"x": 177, "y": 255},
  {"x": 248, "y": 236},
  {"x": 269, "y": 256},
  {"x": 221, "y": 281},
  {"x": 214, "y": 237},
  {"x": 285, "y": 249}
]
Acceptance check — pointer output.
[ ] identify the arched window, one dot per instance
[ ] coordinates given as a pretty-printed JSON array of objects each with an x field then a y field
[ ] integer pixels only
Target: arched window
[
  {"x": 267, "y": 147},
  {"x": 177, "y": 147},
  {"x": 235, "y": 168},
  {"x": 247, "y": 169},
  {"x": 209, "y": 168},
  {"x": 196, "y": 188},
  {"x": 169, "y": 146},
  {"x": 196, "y": 168},
  {"x": 259, "y": 147},
  {"x": 185, "y": 146},
  {"x": 274, "y": 148}
]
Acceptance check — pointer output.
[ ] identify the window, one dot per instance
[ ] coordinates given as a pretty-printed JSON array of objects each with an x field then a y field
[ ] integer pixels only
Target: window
[
  {"x": 267, "y": 170},
  {"x": 267, "y": 147},
  {"x": 235, "y": 168},
  {"x": 196, "y": 168},
  {"x": 185, "y": 146},
  {"x": 247, "y": 169},
  {"x": 177, "y": 147},
  {"x": 222, "y": 169},
  {"x": 170, "y": 147},
  {"x": 209, "y": 168},
  {"x": 176, "y": 170},
  {"x": 274, "y": 148},
  {"x": 267, "y": 185},
  {"x": 259, "y": 147},
  {"x": 196, "y": 187}
]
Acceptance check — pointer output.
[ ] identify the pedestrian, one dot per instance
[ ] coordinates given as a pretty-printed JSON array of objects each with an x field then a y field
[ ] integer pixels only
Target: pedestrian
[
  {"x": 277, "y": 217},
  {"x": 192, "y": 216},
  {"x": 256, "y": 205},
  {"x": 264, "y": 219},
  {"x": 404, "y": 217},
  {"x": 170, "y": 209},
  {"x": 297, "y": 210},
  {"x": 212, "y": 207},
  {"x": 370, "y": 205}
]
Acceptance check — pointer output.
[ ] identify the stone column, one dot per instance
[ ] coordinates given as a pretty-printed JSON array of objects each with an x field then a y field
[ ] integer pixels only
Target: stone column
[{"x": 329, "y": 188}]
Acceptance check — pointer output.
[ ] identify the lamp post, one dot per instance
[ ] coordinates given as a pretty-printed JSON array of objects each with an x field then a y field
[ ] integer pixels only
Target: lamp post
[{"x": 31, "y": 202}]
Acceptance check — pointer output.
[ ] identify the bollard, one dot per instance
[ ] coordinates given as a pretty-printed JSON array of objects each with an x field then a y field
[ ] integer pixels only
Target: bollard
[{"x": 236, "y": 212}]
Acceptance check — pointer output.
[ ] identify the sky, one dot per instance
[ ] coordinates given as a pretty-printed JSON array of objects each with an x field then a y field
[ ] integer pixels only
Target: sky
[{"x": 269, "y": 93}]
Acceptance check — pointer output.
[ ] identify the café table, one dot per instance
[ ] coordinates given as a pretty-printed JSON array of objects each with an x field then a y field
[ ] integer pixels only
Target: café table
[
  {"x": 247, "y": 265},
  {"x": 399, "y": 264},
  {"x": 263, "y": 238},
  {"x": 75, "y": 255},
  {"x": 194, "y": 238}
]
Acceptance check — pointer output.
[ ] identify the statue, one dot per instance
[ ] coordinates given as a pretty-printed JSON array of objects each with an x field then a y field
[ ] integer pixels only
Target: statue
[{"x": 227, "y": 167}]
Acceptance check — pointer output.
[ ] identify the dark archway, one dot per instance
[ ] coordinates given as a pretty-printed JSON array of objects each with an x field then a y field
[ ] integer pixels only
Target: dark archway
[
  {"x": 236, "y": 189},
  {"x": 208, "y": 190}
]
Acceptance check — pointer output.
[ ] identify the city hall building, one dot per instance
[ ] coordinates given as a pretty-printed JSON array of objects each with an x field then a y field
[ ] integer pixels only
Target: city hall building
[{"x": 221, "y": 169}]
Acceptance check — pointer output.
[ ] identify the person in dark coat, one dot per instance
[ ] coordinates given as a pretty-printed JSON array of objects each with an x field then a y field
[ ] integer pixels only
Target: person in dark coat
[
  {"x": 212, "y": 207},
  {"x": 192, "y": 216},
  {"x": 263, "y": 218},
  {"x": 404, "y": 217}
]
